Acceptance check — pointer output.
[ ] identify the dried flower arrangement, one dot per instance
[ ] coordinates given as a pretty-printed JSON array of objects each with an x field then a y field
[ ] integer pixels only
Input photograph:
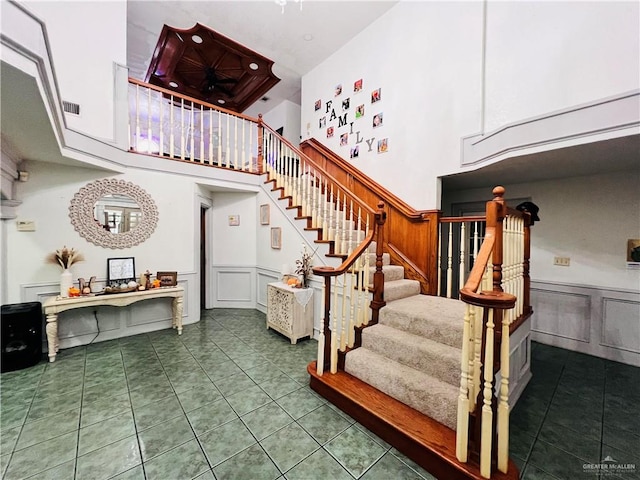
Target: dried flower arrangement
[
  {"x": 65, "y": 257},
  {"x": 304, "y": 265}
]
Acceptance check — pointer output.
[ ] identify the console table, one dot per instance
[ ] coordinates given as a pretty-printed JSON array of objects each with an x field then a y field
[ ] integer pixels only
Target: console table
[
  {"x": 55, "y": 305},
  {"x": 290, "y": 310}
]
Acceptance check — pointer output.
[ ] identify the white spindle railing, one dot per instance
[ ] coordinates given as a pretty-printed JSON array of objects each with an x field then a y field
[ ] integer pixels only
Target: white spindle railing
[
  {"x": 494, "y": 294},
  {"x": 167, "y": 124}
]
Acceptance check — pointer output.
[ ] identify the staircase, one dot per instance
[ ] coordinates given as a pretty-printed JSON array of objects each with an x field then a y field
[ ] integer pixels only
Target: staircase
[
  {"x": 413, "y": 353},
  {"x": 413, "y": 368}
]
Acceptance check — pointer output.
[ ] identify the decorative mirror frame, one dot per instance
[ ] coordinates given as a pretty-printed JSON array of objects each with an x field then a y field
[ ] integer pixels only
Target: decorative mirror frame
[{"x": 81, "y": 213}]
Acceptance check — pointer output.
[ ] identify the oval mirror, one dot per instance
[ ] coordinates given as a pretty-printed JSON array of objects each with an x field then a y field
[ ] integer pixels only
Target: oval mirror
[{"x": 113, "y": 213}]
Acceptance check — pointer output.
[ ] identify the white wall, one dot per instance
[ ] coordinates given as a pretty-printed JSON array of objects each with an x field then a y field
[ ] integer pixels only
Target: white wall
[
  {"x": 86, "y": 39},
  {"x": 45, "y": 201},
  {"x": 546, "y": 56},
  {"x": 425, "y": 56},
  {"x": 428, "y": 59},
  {"x": 593, "y": 305},
  {"x": 287, "y": 115},
  {"x": 588, "y": 219}
]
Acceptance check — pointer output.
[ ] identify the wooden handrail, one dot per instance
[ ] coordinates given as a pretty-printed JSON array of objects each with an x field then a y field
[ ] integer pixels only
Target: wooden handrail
[
  {"x": 489, "y": 299},
  {"x": 390, "y": 199},
  {"x": 325, "y": 174}
]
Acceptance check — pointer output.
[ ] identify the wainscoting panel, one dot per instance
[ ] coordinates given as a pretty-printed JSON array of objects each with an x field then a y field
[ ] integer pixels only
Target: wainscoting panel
[
  {"x": 562, "y": 314},
  {"x": 596, "y": 321},
  {"x": 234, "y": 287},
  {"x": 621, "y": 324}
]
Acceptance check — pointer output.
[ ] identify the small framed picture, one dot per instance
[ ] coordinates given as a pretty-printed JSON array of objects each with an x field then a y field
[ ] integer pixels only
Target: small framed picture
[
  {"x": 120, "y": 270},
  {"x": 377, "y": 120},
  {"x": 345, "y": 104},
  {"x": 376, "y": 95},
  {"x": 167, "y": 279},
  {"x": 329, "y": 132},
  {"x": 264, "y": 214},
  {"x": 360, "y": 111},
  {"x": 234, "y": 220},
  {"x": 383, "y": 145},
  {"x": 318, "y": 105},
  {"x": 344, "y": 139},
  {"x": 338, "y": 90},
  {"x": 357, "y": 85},
  {"x": 276, "y": 238},
  {"x": 354, "y": 152}
]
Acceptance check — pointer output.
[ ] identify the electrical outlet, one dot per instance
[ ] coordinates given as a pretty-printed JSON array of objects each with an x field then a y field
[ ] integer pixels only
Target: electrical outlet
[{"x": 562, "y": 261}]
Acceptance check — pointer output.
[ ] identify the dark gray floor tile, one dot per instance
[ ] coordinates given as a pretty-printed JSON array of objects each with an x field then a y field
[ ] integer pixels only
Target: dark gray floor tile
[
  {"x": 165, "y": 436},
  {"x": 110, "y": 460},
  {"x": 390, "y": 467},
  {"x": 105, "y": 432},
  {"x": 555, "y": 461},
  {"x": 355, "y": 450},
  {"x": 210, "y": 416},
  {"x": 237, "y": 438},
  {"x": 323, "y": 424},
  {"x": 250, "y": 464},
  {"x": 48, "y": 428},
  {"x": 319, "y": 465},
  {"x": 43, "y": 456},
  {"x": 289, "y": 446},
  {"x": 186, "y": 461},
  {"x": 265, "y": 420}
]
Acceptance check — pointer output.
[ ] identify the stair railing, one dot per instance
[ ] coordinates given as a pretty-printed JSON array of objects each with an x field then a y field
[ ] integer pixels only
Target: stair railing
[
  {"x": 496, "y": 294},
  {"x": 337, "y": 327},
  {"x": 348, "y": 225},
  {"x": 167, "y": 124}
]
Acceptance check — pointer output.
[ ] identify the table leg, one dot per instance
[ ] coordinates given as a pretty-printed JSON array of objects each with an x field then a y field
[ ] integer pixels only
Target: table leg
[
  {"x": 176, "y": 307},
  {"x": 52, "y": 335}
]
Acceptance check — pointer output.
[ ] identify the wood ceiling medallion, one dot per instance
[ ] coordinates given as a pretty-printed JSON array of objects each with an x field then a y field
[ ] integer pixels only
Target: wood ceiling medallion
[{"x": 208, "y": 66}]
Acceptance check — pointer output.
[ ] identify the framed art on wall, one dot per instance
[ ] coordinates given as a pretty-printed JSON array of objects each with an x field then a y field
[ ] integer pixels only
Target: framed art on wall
[
  {"x": 264, "y": 214},
  {"x": 276, "y": 238}
]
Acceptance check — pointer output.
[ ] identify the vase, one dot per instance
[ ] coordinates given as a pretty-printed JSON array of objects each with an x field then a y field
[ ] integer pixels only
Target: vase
[{"x": 66, "y": 282}]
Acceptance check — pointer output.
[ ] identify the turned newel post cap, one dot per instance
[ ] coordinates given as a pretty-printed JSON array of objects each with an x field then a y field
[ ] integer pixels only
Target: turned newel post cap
[{"x": 498, "y": 192}]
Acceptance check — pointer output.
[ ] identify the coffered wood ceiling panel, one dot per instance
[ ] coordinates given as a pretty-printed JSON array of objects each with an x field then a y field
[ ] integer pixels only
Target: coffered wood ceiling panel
[{"x": 208, "y": 66}]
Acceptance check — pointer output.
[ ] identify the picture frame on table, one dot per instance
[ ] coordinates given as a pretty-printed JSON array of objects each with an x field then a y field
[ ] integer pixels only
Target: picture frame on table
[
  {"x": 120, "y": 270},
  {"x": 167, "y": 279}
]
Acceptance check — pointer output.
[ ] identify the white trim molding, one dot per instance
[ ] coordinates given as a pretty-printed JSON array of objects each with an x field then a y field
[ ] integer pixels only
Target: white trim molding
[{"x": 610, "y": 117}]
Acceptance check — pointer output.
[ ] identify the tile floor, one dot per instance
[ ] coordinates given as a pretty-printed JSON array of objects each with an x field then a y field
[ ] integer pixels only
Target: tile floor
[{"x": 230, "y": 400}]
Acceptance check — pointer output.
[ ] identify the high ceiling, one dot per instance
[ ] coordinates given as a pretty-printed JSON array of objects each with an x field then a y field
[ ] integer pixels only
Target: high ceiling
[{"x": 297, "y": 37}]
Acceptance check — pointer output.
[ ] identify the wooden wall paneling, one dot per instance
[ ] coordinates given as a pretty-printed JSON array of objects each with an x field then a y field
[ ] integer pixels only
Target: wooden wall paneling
[{"x": 411, "y": 236}]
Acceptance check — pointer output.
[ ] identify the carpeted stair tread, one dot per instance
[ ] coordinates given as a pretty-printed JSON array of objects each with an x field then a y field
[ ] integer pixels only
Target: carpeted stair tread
[
  {"x": 391, "y": 273},
  {"x": 386, "y": 259},
  {"x": 434, "y": 398},
  {"x": 436, "y": 359},
  {"x": 399, "y": 289},
  {"x": 437, "y": 318}
]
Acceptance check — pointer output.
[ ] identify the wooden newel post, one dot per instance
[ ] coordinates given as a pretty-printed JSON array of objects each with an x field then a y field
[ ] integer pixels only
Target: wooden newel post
[
  {"x": 378, "y": 277},
  {"x": 260, "y": 140},
  {"x": 497, "y": 213}
]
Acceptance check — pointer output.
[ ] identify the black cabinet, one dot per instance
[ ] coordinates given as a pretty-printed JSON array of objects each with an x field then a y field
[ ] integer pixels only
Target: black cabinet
[{"x": 21, "y": 335}]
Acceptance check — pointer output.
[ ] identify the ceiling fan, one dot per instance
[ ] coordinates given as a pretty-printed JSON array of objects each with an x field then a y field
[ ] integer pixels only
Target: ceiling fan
[{"x": 213, "y": 83}]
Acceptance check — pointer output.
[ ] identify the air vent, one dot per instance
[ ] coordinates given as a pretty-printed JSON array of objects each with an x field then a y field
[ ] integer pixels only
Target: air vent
[{"x": 72, "y": 108}]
